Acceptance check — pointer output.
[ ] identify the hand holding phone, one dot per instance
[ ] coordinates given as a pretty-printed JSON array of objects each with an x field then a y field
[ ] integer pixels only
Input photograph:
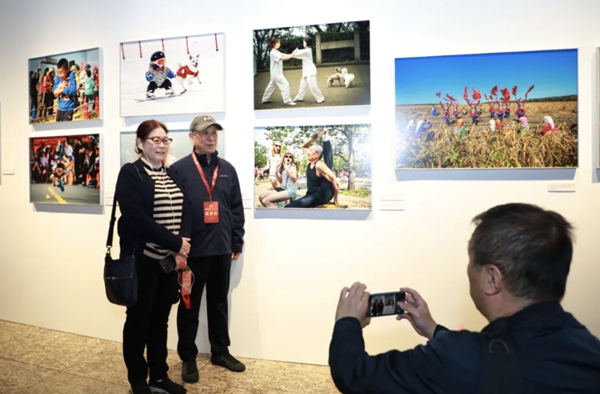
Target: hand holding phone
[
  {"x": 386, "y": 304},
  {"x": 417, "y": 313},
  {"x": 167, "y": 264}
]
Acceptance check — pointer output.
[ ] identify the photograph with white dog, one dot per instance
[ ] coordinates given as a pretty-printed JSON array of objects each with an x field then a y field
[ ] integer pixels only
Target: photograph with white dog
[
  {"x": 180, "y": 147},
  {"x": 172, "y": 76},
  {"x": 312, "y": 66}
]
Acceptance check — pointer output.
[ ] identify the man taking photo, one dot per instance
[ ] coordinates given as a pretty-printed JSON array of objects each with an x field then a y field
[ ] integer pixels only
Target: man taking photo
[{"x": 519, "y": 260}]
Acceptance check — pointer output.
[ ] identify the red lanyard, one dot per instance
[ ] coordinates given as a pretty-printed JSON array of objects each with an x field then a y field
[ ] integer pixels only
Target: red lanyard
[{"x": 214, "y": 179}]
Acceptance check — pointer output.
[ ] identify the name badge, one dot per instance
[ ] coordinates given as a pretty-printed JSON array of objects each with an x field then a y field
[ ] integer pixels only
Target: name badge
[
  {"x": 186, "y": 282},
  {"x": 211, "y": 212}
]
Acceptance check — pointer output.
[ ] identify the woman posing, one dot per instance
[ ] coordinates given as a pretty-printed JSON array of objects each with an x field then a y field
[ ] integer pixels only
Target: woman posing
[
  {"x": 273, "y": 161},
  {"x": 151, "y": 226}
]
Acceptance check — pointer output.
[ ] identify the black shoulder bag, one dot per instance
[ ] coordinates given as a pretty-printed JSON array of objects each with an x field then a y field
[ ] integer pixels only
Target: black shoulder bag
[
  {"x": 120, "y": 277},
  {"x": 500, "y": 367}
]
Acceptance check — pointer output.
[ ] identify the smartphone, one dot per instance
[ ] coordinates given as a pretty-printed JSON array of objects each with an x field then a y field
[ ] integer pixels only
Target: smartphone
[
  {"x": 167, "y": 264},
  {"x": 385, "y": 304}
]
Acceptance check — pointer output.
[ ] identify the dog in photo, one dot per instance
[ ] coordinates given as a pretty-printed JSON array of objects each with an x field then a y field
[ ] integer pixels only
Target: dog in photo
[
  {"x": 334, "y": 77},
  {"x": 348, "y": 78},
  {"x": 189, "y": 72}
]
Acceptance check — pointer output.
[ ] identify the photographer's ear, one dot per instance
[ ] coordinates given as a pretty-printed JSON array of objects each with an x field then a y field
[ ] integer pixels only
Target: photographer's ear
[{"x": 494, "y": 278}]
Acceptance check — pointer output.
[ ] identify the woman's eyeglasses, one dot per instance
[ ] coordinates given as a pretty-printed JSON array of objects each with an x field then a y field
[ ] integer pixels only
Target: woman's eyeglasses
[
  {"x": 288, "y": 157},
  {"x": 277, "y": 146},
  {"x": 158, "y": 140}
]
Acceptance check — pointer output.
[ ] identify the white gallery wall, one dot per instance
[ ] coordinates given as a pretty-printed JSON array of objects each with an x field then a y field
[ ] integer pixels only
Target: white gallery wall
[{"x": 286, "y": 285}]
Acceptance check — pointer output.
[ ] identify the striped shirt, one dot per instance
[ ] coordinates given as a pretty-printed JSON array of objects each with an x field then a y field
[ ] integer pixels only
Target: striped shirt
[{"x": 168, "y": 207}]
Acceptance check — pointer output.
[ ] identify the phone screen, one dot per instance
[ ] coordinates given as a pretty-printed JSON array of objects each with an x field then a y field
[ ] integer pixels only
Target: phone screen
[{"x": 385, "y": 304}]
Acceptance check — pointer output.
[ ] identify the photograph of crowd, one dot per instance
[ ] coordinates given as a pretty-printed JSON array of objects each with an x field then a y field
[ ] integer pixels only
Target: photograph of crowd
[
  {"x": 332, "y": 61},
  {"x": 65, "y": 170},
  {"x": 313, "y": 167},
  {"x": 65, "y": 87},
  {"x": 498, "y": 110},
  {"x": 180, "y": 147}
]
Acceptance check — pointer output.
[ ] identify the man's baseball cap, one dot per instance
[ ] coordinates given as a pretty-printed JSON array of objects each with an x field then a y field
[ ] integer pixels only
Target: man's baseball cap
[{"x": 202, "y": 122}]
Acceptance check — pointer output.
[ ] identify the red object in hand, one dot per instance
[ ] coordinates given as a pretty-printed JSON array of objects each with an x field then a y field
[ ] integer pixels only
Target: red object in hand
[{"x": 186, "y": 288}]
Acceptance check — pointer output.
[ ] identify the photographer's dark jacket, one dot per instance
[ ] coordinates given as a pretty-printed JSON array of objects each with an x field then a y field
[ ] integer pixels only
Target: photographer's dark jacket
[
  {"x": 555, "y": 354},
  {"x": 213, "y": 239},
  {"x": 137, "y": 226}
]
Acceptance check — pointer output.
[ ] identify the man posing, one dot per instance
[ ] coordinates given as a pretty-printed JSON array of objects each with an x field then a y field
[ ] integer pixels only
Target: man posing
[
  {"x": 320, "y": 180},
  {"x": 212, "y": 187},
  {"x": 519, "y": 259}
]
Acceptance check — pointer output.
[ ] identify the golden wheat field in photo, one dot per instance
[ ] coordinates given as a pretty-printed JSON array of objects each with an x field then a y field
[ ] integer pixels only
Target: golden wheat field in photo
[{"x": 441, "y": 147}]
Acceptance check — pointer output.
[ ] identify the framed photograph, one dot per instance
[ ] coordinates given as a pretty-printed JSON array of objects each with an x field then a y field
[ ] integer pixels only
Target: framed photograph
[
  {"x": 180, "y": 147},
  {"x": 171, "y": 76},
  {"x": 312, "y": 66},
  {"x": 308, "y": 167},
  {"x": 65, "y": 87},
  {"x": 65, "y": 170},
  {"x": 498, "y": 110}
]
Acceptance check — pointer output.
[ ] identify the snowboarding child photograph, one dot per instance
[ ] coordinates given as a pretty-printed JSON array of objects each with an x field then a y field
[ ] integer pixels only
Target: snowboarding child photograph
[{"x": 173, "y": 76}]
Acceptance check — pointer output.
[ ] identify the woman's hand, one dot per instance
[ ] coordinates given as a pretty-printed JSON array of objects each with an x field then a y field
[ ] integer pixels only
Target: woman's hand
[{"x": 185, "y": 247}]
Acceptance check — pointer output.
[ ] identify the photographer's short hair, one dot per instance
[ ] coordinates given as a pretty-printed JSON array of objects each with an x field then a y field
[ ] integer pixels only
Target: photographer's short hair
[{"x": 532, "y": 248}]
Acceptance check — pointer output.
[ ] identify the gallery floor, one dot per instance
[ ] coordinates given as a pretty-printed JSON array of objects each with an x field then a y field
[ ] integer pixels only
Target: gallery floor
[{"x": 36, "y": 360}]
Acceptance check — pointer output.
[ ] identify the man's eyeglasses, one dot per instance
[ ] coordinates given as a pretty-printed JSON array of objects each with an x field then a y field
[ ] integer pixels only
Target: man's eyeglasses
[{"x": 158, "y": 140}]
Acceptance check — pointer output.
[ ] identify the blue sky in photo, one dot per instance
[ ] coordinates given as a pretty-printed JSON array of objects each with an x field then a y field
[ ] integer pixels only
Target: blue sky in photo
[{"x": 554, "y": 73}]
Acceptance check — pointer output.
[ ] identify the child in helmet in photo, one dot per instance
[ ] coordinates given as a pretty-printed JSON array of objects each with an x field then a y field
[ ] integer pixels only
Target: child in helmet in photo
[
  {"x": 158, "y": 75},
  {"x": 59, "y": 176}
]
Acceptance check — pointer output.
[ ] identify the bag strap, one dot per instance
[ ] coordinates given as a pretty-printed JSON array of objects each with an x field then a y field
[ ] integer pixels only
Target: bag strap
[
  {"x": 111, "y": 227},
  {"x": 500, "y": 366}
]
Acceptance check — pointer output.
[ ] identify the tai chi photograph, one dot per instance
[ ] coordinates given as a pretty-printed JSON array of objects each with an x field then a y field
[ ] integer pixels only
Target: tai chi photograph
[
  {"x": 327, "y": 167},
  {"x": 495, "y": 110},
  {"x": 312, "y": 66}
]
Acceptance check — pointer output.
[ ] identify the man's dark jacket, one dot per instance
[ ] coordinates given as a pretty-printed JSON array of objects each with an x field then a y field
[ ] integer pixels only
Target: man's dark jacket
[
  {"x": 556, "y": 354},
  {"x": 224, "y": 237}
]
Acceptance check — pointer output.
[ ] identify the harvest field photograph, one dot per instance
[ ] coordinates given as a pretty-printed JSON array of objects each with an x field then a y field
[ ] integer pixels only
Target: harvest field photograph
[{"x": 502, "y": 110}]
